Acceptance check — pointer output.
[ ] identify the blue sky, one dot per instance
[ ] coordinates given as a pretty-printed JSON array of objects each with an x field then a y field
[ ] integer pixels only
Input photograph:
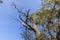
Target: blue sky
[{"x": 9, "y": 28}]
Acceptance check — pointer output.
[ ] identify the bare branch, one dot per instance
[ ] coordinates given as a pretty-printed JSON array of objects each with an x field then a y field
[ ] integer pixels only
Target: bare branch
[
  {"x": 27, "y": 15},
  {"x": 18, "y": 9}
]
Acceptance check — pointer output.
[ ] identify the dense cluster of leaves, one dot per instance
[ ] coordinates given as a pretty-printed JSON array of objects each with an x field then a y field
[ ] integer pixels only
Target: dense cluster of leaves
[{"x": 48, "y": 16}]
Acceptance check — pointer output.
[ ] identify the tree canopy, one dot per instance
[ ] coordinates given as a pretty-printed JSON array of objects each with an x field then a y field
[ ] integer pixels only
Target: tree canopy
[{"x": 48, "y": 16}]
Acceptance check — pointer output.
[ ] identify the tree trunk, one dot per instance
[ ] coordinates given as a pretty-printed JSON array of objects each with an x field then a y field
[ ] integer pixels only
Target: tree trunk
[
  {"x": 37, "y": 32},
  {"x": 37, "y": 35}
]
